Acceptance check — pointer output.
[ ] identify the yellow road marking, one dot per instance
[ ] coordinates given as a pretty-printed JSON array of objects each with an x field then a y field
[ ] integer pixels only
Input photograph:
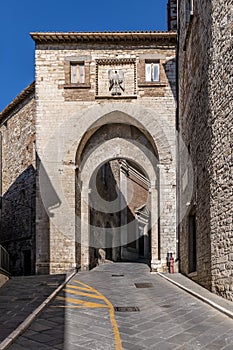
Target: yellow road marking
[
  {"x": 84, "y": 304},
  {"x": 116, "y": 332},
  {"x": 77, "y": 287},
  {"x": 81, "y": 302},
  {"x": 83, "y": 294}
]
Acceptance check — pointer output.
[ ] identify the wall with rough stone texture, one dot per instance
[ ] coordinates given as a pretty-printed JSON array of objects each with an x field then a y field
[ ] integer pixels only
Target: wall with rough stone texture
[
  {"x": 66, "y": 115},
  {"x": 205, "y": 123},
  {"x": 18, "y": 186},
  {"x": 221, "y": 99}
]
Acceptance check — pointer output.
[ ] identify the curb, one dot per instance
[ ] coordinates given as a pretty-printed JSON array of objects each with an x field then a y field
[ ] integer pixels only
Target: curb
[
  {"x": 26, "y": 323},
  {"x": 199, "y": 296}
]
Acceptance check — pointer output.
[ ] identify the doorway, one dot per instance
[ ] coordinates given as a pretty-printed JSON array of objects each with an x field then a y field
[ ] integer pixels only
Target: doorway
[
  {"x": 27, "y": 262},
  {"x": 192, "y": 243}
]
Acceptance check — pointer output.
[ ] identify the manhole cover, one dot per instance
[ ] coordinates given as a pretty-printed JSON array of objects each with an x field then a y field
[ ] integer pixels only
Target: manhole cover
[
  {"x": 126, "y": 308},
  {"x": 117, "y": 275},
  {"x": 143, "y": 285}
]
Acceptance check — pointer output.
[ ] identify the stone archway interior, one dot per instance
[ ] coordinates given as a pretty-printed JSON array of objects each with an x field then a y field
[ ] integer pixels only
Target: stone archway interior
[
  {"x": 115, "y": 195},
  {"x": 119, "y": 213}
]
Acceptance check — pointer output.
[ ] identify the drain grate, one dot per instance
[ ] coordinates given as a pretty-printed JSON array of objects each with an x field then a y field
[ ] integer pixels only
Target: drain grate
[
  {"x": 118, "y": 275},
  {"x": 144, "y": 285},
  {"x": 126, "y": 308}
]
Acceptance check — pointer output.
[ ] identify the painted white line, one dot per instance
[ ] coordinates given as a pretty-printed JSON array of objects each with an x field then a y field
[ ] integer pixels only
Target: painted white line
[
  {"x": 26, "y": 323},
  {"x": 199, "y": 296}
]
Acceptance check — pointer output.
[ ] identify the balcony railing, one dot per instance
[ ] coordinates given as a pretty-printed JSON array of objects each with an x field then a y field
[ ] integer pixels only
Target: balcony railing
[{"x": 4, "y": 260}]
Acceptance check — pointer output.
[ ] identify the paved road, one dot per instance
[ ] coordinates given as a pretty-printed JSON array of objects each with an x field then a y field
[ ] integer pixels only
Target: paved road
[{"x": 150, "y": 313}]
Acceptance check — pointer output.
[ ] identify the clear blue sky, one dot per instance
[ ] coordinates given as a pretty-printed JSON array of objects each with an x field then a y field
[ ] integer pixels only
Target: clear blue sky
[{"x": 20, "y": 17}]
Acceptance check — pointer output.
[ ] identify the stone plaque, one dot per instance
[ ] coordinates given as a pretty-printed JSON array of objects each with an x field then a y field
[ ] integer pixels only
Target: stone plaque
[{"x": 115, "y": 78}]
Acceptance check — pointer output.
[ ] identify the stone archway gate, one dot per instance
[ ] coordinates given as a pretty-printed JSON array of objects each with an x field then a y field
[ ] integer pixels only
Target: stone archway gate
[{"x": 56, "y": 244}]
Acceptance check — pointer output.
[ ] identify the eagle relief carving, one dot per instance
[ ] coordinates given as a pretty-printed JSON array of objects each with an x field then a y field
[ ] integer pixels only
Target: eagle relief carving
[{"x": 116, "y": 81}]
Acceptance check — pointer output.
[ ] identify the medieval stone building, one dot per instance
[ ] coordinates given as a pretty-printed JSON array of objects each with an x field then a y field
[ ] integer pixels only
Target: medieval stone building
[
  {"x": 89, "y": 159},
  {"x": 206, "y": 126},
  {"x": 18, "y": 180},
  {"x": 109, "y": 156}
]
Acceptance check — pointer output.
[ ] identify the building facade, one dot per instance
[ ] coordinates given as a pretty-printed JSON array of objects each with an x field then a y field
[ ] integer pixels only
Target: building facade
[
  {"x": 18, "y": 181},
  {"x": 104, "y": 151},
  {"x": 206, "y": 126}
]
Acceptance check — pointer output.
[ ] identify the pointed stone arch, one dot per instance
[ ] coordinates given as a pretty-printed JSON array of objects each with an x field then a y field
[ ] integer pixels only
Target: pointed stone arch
[{"x": 61, "y": 160}]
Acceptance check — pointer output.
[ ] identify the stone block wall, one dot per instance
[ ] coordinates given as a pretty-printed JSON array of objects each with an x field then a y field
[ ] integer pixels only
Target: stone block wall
[
  {"x": 18, "y": 170},
  {"x": 205, "y": 124},
  {"x": 221, "y": 99},
  {"x": 194, "y": 46}
]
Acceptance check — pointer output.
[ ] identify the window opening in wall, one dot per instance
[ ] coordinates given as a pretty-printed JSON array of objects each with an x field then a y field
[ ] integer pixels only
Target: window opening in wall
[
  {"x": 77, "y": 73},
  {"x": 192, "y": 254},
  {"x": 152, "y": 72}
]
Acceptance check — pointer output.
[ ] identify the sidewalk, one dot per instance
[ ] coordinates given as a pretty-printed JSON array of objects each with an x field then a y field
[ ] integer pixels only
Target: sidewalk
[
  {"x": 20, "y": 296},
  {"x": 183, "y": 282}
]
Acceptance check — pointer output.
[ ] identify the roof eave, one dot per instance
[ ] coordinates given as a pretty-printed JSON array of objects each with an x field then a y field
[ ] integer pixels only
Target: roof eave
[
  {"x": 29, "y": 90},
  {"x": 74, "y": 37}
]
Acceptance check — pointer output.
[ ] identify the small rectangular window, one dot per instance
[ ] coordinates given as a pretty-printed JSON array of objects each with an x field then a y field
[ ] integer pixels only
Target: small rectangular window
[
  {"x": 155, "y": 76},
  {"x": 77, "y": 73},
  {"x": 148, "y": 71},
  {"x": 152, "y": 72},
  {"x": 73, "y": 72},
  {"x": 81, "y": 73}
]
